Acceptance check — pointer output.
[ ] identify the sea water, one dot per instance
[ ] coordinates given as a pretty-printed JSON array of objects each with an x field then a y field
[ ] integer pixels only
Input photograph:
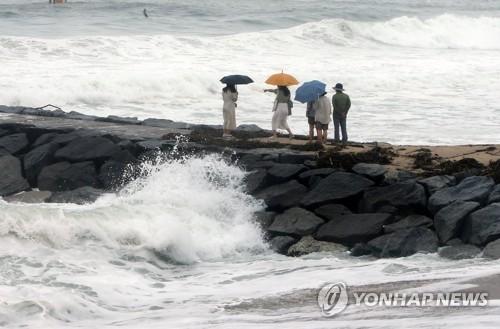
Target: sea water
[{"x": 179, "y": 248}]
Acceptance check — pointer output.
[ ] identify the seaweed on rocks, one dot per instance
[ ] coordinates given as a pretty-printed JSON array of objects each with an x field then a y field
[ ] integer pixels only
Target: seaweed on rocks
[
  {"x": 423, "y": 159},
  {"x": 461, "y": 166},
  {"x": 336, "y": 159},
  {"x": 493, "y": 170}
]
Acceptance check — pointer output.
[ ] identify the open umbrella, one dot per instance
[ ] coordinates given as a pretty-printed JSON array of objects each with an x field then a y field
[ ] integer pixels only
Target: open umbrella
[
  {"x": 310, "y": 91},
  {"x": 236, "y": 79},
  {"x": 282, "y": 79}
]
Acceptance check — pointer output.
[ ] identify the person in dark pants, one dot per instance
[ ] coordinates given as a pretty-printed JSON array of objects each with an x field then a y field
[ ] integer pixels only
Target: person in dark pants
[{"x": 341, "y": 105}]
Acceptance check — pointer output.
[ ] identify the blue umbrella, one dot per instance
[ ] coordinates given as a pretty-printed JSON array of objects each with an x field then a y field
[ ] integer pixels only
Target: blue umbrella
[
  {"x": 236, "y": 80},
  {"x": 310, "y": 91}
]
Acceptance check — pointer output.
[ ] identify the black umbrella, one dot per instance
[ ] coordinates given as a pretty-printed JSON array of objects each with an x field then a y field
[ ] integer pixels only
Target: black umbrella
[{"x": 236, "y": 80}]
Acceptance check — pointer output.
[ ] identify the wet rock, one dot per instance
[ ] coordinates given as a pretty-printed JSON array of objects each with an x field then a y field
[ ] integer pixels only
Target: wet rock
[
  {"x": 264, "y": 218},
  {"x": 282, "y": 196},
  {"x": 117, "y": 119},
  {"x": 283, "y": 172},
  {"x": 295, "y": 157},
  {"x": 80, "y": 116},
  {"x": 44, "y": 139},
  {"x": 449, "y": 220},
  {"x": 408, "y": 222},
  {"x": 336, "y": 187},
  {"x": 256, "y": 180},
  {"x": 61, "y": 139},
  {"x": 79, "y": 196},
  {"x": 373, "y": 171},
  {"x": 404, "y": 243},
  {"x": 361, "y": 249},
  {"x": 464, "y": 251},
  {"x": 492, "y": 250},
  {"x": 308, "y": 245},
  {"x": 495, "y": 195},
  {"x": 475, "y": 188},
  {"x": 14, "y": 143},
  {"x": 350, "y": 229},
  {"x": 11, "y": 178},
  {"x": 483, "y": 225},
  {"x": 3, "y": 132},
  {"x": 29, "y": 197},
  {"x": 161, "y": 123},
  {"x": 321, "y": 172},
  {"x": 398, "y": 176},
  {"x": 85, "y": 149},
  {"x": 38, "y": 158},
  {"x": 332, "y": 211},
  {"x": 250, "y": 131},
  {"x": 115, "y": 174},
  {"x": 295, "y": 222},
  {"x": 64, "y": 176},
  {"x": 407, "y": 196},
  {"x": 280, "y": 244},
  {"x": 436, "y": 183},
  {"x": 154, "y": 145}
]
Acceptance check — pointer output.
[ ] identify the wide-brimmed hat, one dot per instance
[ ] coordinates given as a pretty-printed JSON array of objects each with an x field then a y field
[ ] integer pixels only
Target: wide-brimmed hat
[{"x": 339, "y": 87}]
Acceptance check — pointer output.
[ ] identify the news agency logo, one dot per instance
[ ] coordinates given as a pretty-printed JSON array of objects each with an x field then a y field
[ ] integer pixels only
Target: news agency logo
[{"x": 333, "y": 299}]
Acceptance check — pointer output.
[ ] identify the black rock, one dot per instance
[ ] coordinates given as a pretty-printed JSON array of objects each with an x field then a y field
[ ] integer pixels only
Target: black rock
[
  {"x": 161, "y": 123},
  {"x": 283, "y": 172},
  {"x": 264, "y": 218},
  {"x": 38, "y": 158},
  {"x": 436, "y": 183},
  {"x": 250, "y": 131},
  {"x": 406, "y": 196},
  {"x": 373, "y": 171},
  {"x": 79, "y": 196},
  {"x": 475, "y": 188},
  {"x": 256, "y": 180},
  {"x": 350, "y": 229},
  {"x": 294, "y": 157},
  {"x": 332, "y": 211},
  {"x": 295, "y": 222},
  {"x": 3, "y": 132},
  {"x": 114, "y": 174},
  {"x": 85, "y": 149},
  {"x": 393, "y": 177},
  {"x": 449, "y": 220},
  {"x": 280, "y": 244},
  {"x": 321, "y": 172},
  {"x": 495, "y": 195},
  {"x": 11, "y": 178},
  {"x": 64, "y": 176},
  {"x": 154, "y": 145},
  {"x": 361, "y": 249},
  {"x": 463, "y": 251},
  {"x": 14, "y": 143},
  {"x": 29, "y": 197},
  {"x": 336, "y": 187},
  {"x": 61, "y": 139},
  {"x": 283, "y": 196},
  {"x": 405, "y": 243},
  {"x": 308, "y": 245},
  {"x": 483, "y": 225},
  {"x": 408, "y": 222},
  {"x": 492, "y": 250},
  {"x": 117, "y": 119},
  {"x": 44, "y": 139}
]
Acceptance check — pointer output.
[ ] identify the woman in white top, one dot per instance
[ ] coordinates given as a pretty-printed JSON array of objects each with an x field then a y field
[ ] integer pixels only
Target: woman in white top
[
  {"x": 230, "y": 97},
  {"x": 322, "y": 117},
  {"x": 281, "y": 110}
]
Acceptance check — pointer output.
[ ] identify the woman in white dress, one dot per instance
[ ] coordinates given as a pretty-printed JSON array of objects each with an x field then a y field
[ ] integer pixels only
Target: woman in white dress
[
  {"x": 281, "y": 109},
  {"x": 230, "y": 97}
]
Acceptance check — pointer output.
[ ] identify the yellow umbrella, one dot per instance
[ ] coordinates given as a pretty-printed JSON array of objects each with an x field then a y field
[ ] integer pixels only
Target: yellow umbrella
[{"x": 282, "y": 79}]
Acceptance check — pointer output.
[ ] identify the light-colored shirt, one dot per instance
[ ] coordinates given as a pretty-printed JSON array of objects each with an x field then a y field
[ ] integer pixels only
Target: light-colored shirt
[
  {"x": 323, "y": 110},
  {"x": 229, "y": 99}
]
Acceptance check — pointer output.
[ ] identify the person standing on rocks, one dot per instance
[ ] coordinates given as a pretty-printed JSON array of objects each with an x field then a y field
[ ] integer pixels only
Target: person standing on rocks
[
  {"x": 310, "y": 113},
  {"x": 341, "y": 105},
  {"x": 322, "y": 117},
  {"x": 230, "y": 97},
  {"x": 281, "y": 110}
]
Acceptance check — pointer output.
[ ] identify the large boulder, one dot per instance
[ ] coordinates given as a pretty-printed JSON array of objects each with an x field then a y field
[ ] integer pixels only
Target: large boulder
[
  {"x": 29, "y": 197},
  {"x": 449, "y": 220},
  {"x": 361, "y": 249},
  {"x": 85, "y": 149},
  {"x": 404, "y": 243},
  {"x": 64, "y": 176},
  {"x": 295, "y": 222},
  {"x": 11, "y": 178},
  {"x": 474, "y": 188},
  {"x": 14, "y": 143},
  {"x": 492, "y": 250},
  {"x": 306, "y": 176},
  {"x": 461, "y": 251},
  {"x": 264, "y": 218},
  {"x": 495, "y": 195},
  {"x": 256, "y": 180},
  {"x": 38, "y": 158},
  {"x": 280, "y": 244},
  {"x": 79, "y": 196},
  {"x": 336, "y": 187},
  {"x": 308, "y": 245},
  {"x": 406, "y": 196},
  {"x": 115, "y": 174},
  {"x": 436, "y": 183},
  {"x": 332, "y": 211},
  {"x": 350, "y": 229},
  {"x": 283, "y": 172},
  {"x": 483, "y": 225},
  {"x": 373, "y": 171},
  {"x": 408, "y": 222},
  {"x": 282, "y": 196}
]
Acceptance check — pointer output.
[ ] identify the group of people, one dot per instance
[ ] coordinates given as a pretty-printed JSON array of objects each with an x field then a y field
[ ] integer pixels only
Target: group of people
[{"x": 319, "y": 113}]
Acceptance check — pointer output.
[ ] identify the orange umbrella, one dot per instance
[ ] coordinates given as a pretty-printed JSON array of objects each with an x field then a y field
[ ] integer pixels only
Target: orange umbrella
[{"x": 282, "y": 79}]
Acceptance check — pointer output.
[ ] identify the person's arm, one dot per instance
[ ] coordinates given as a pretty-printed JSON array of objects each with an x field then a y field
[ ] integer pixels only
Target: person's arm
[
  {"x": 348, "y": 105},
  {"x": 235, "y": 97}
]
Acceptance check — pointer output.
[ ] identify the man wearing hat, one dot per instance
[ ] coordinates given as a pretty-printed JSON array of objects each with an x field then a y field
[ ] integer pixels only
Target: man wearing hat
[{"x": 341, "y": 105}]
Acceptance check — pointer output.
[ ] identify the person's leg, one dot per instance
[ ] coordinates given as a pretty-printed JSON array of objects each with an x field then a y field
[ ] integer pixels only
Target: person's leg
[
  {"x": 325, "y": 134},
  {"x": 336, "y": 124},
  {"x": 311, "y": 131},
  {"x": 343, "y": 124}
]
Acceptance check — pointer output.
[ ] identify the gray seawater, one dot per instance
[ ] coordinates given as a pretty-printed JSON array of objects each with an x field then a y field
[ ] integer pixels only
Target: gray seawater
[{"x": 156, "y": 256}]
